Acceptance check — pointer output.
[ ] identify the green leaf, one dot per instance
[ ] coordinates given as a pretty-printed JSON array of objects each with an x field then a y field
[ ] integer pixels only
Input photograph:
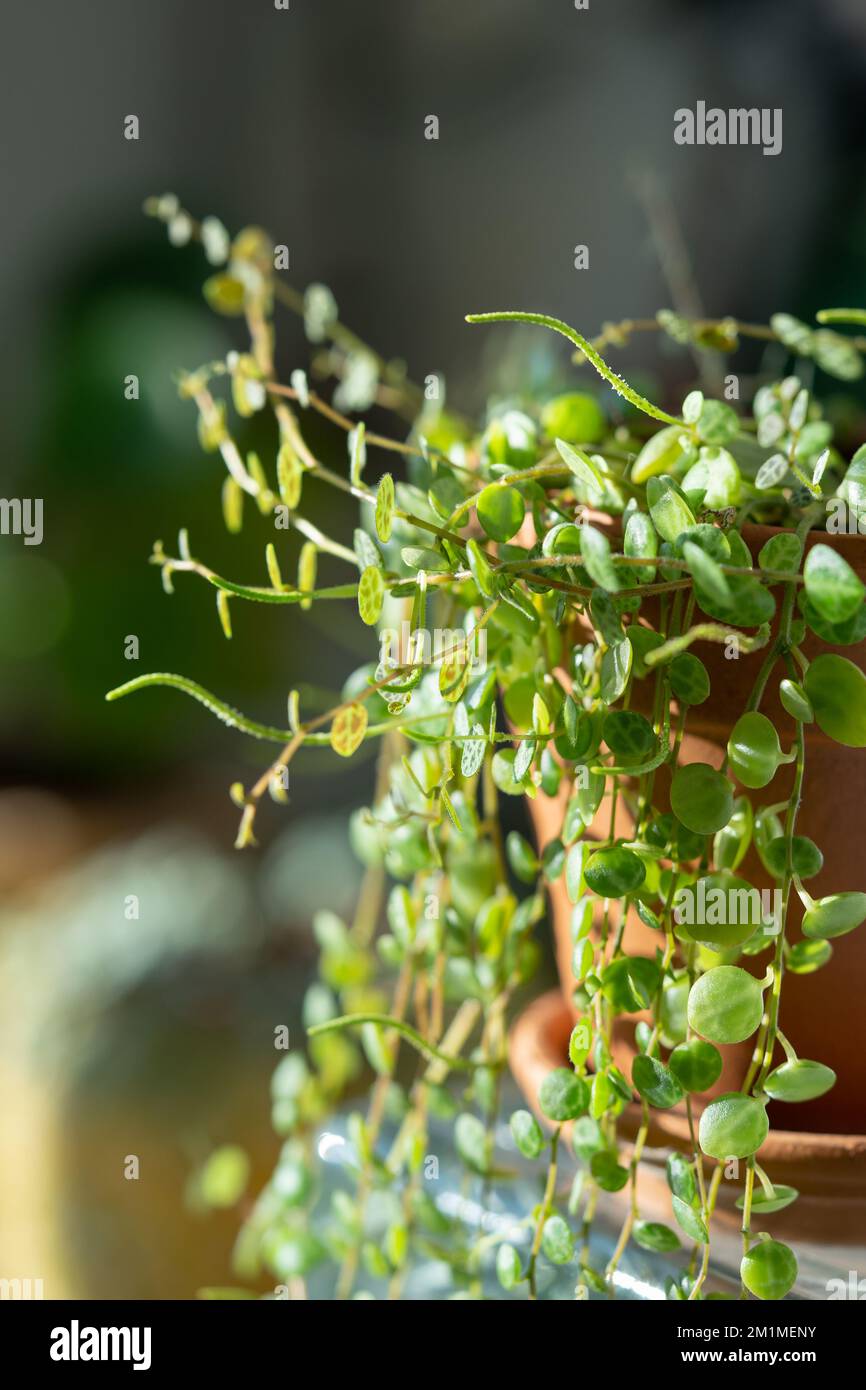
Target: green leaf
[
  {"x": 611, "y": 873},
  {"x": 717, "y": 423},
  {"x": 233, "y": 505},
  {"x": 521, "y": 857},
  {"x": 772, "y": 472},
  {"x": 480, "y": 569},
  {"x": 574, "y": 870},
  {"x": 733, "y": 1126},
  {"x": 616, "y": 665},
  {"x": 223, "y": 1179},
  {"x": 508, "y": 1266},
  {"x": 290, "y": 476},
  {"x": 470, "y": 1140},
  {"x": 749, "y": 603},
  {"x": 831, "y": 584},
  {"x": 689, "y": 679},
  {"x": 574, "y": 416},
  {"x": 562, "y": 1095},
  {"x": 781, "y": 553},
  {"x": 697, "y": 1065},
  {"x": 846, "y": 634},
  {"x": 701, "y": 798},
  {"x": 225, "y": 294},
  {"x": 795, "y": 701},
  {"x": 639, "y": 542},
  {"x": 595, "y": 549},
  {"x": 681, "y": 1177},
  {"x": 385, "y": 507},
  {"x": 708, "y": 574},
  {"x": 799, "y": 1080},
  {"x": 474, "y": 751},
  {"x": 557, "y": 1241},
  {"x": 837, "y": 692},
  {"x": 655, "y": 1082},
  {"x": 581, "y": 466},
  {"x": 783, "y": 1196},
  {"x": 690, "y": 1220},
  {"x": 805, "y": 957},
  {"x": 500, "y": 510},
  {"x": 629, "y": 734},
  {"x": 725, "y": 1004},
  {"x": 610, "y": 1175},
  {"x": 371, "y": 593},
  {"x": 670, "y": 512},
  {"x": 653, "y": 1235},
  {"x": 834, "y": 916},
  {"x": 527, "y": 1133},
  {"x": 347, "y": 729}
]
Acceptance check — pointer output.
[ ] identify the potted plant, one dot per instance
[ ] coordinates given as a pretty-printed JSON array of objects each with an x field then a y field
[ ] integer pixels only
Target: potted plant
[{"x": 645, "y": 625}]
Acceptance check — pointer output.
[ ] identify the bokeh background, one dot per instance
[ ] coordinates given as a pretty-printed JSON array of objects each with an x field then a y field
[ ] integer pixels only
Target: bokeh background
[{"x": 154, "y": 1037}]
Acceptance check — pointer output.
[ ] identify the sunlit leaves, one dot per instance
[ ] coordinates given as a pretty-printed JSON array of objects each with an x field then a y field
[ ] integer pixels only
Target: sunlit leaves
[
  {"x": 225, "y": 294},
  {"x": 233, "y": 505},
  {"x": 831, "y": 585},
  {"x": 597, "y": 559},
  {"x": 371, "y": 593},
  {"x": 670, "y": 512},
  {"x": 307, "y": 566},
  {"x": 290, "y": 475},
  {"x": 527, "y": 1133},
  {"x": 347, "y": 729},
  {"x": 385, "y": 497},
  {"x": 500, "y": 510},
  {"x": 584, "y": 468},
  {"x": 725, "y": 1004},
  {"x": 562, "y": 1095},
  {"x": 733, "y": 1126}
]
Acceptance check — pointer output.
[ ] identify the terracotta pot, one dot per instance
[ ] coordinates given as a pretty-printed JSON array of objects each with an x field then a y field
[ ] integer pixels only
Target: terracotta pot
[
  {"x": 828, "y": 1170},
  {"x": 822, "y": 1014}
]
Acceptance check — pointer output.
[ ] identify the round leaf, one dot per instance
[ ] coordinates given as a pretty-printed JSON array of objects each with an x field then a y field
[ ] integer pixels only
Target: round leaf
[
  {"x": 527, "y": 1133},
  {"x": 347, "y": 729},
  {"x": 734, "y": 1126},
  {"x": 655, "y": 1082},
  {"x": 500, "y": 510},
  {"x": 696, "y": 1065},
  {"x": 831, "y": 584},
  {"x": 689, "y": 679},
  {"x": 371, "y": 593},
  {"x": 701, "y": 798},
  {"x": 800, "y": 1080},
  {"x": 611, "y": 873},
  {"x": 837, "y": 691},
  {"x": 562, "y": 1095},
  {"x": 725, "y": 1004},
  {"x": 835, "y": 915},
  {"x": 769, "y": 1270}
]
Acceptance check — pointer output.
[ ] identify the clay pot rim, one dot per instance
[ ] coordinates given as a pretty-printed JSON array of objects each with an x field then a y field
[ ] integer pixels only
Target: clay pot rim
[{"x": 533, "y": 1052}]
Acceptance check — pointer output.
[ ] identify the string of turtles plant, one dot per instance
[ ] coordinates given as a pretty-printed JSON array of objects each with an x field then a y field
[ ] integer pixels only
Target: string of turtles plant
[{"x": 592, "y": 556}]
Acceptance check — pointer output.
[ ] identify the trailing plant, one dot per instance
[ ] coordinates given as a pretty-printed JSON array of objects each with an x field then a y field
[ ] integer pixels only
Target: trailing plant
[{"x": 576, "y": 560}]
